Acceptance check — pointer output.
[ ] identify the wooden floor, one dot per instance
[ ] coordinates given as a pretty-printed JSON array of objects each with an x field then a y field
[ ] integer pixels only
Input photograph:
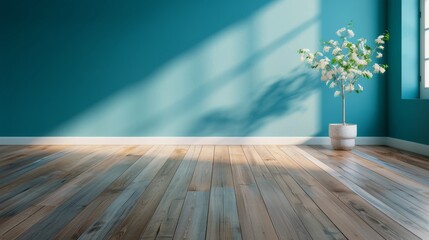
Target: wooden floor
[{"x": 212, "y": 192}]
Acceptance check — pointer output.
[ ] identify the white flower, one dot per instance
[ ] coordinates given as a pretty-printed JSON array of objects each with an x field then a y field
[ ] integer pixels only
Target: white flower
[
  {"x": 350, "y": 61},
  {"x": 358, "y": 60},
  {"x": 333, "y": 43},
  {"x": 355, "y": 71},
  {"x": 378, "y": 68},
  {"x": 324, "y": 77},
  {"x": 310, "y": 58},
  {"x": 362, "y": 46},
  {"x": 350, "y": 87},
  {"x": 326, "y": 48},
  {"x": 330, "y": 74},
  {"x": 379, "y": 41},
  {"x": 337, "y": 93},
  {"x": 340, "y": 31},
  {"x": 323, "y": 63},
  {"x": 367, "y": 74},
  {"x": 336, "y": 51}
]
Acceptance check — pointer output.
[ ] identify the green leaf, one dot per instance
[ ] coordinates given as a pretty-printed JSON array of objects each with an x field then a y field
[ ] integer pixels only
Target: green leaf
[{"x": 386, "y": 35}]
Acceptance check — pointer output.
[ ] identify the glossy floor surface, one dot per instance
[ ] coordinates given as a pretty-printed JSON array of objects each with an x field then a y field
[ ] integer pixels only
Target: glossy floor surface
[{"x": 212, "y": 192}]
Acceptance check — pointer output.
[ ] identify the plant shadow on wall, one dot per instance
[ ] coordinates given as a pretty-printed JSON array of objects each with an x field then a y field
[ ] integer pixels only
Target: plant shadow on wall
[
  {"x": 186, "y": 104},
  {"x": 65, "y": 58},
  {"x": 283, "y": 97}
]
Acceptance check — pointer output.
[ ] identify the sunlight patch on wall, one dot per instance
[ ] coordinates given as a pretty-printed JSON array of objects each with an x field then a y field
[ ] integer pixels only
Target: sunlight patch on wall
[{"x": 245, "y": 80}]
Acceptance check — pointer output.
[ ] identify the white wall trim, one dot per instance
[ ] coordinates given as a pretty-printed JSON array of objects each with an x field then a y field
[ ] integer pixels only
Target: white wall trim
[
  {"x": 180, "y": 140},
  {"x": 408, "y": 146}
]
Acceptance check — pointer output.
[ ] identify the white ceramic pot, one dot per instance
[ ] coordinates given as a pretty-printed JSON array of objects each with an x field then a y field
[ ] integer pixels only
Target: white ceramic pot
[{"x": 343, "y": 136}]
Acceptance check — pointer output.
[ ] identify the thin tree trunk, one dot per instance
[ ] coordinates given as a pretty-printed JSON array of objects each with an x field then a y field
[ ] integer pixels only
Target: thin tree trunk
[{"x": 343, "y": 101}]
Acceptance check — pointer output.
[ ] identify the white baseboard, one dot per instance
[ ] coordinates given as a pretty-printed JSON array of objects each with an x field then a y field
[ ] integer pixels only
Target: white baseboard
[
  {"x": 180, "y": 140},
  {"x": 408, "y": 146}
]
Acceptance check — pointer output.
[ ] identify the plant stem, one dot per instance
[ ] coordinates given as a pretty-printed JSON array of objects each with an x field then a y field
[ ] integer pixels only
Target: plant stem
[{"x": 343, "y": 101}]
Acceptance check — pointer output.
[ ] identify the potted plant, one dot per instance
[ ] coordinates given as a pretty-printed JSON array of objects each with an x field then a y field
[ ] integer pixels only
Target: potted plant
[{"x": 343, "y": 63}]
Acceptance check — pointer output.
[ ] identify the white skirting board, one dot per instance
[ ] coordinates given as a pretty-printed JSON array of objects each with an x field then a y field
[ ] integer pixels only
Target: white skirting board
[
  {"x": 392, "y": 142},
  {"x": 181, "y": 140},
  {"x": 419, "y": 148}
]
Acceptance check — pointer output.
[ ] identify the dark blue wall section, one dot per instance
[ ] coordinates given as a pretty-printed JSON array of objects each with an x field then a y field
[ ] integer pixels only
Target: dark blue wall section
[
  {"x": 177, "y": 68},
  {"x": 408, "y": 116}
]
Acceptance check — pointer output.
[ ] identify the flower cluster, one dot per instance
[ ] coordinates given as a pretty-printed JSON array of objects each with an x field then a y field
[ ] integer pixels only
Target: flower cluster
[{"x": 343, "y": 62}]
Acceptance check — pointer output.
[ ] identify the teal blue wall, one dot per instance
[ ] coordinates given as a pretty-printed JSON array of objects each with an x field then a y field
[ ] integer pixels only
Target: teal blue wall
[
  {"x": 177, "y": 68},
  {"x": 408, "y": 116}
]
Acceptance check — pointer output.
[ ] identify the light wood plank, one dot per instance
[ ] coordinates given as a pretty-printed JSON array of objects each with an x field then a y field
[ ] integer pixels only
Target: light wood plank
[
  {"x": 390, "y": 173},
  {"x": 16, "y": 161},
  {"x": 351, "y": 225},
  {"x": 53, "y": 167},
  {"x": 121, "y": 206},
  {"x": 164, "y": 221},
  {"x": 315, "y": 221},
  {"x": 402, "y": 155},
  {"x": 58, "y": 197},
  {"x": 212, "y": 192},
  {"x": 17, "y": 230},
  {"x": 101, "y": 158},
  {"x": 377, "y": 185},
  {"x": 201, "y": 180},
  {"x": 19, "y": 153},
  {"x": 223, "y": 221},
  {"x": 120, "y": 192},
  {"x": 415, "y": 173},
  {"x": 143, "y": 208},
  {"x": 53, "y": 183},
  {"x": 346, "y": 163},
  {"x": 193, "y": 217},
  {"x": 346, "y": 190},
  {"x": 50, "y": 226},
  {"x": 255, "y": 221},
  {"x": 285, "y": 220}
]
